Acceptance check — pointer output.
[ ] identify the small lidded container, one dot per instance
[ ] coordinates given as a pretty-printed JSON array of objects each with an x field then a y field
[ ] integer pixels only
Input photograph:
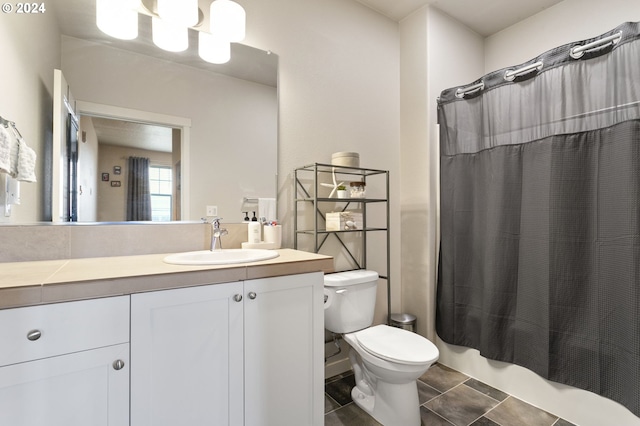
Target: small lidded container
[
  {"x": 357, "y": 189},
  {"x": 345, "y": 159}
]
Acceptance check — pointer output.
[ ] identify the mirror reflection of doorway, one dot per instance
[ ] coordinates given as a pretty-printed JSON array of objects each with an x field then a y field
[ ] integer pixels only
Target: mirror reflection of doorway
[
  {"x": 106, "y": 145},
  {"x": 71, "y": 172}
]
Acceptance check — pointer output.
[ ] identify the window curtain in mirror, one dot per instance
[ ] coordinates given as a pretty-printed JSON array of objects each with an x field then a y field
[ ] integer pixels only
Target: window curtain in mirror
[
  {"x": 138, "y": 191},
  {"x": 540, "y": 216}
]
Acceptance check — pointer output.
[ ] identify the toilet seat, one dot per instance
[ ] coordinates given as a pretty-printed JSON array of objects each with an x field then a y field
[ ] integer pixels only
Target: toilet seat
[{"x": 396, "y": 345}]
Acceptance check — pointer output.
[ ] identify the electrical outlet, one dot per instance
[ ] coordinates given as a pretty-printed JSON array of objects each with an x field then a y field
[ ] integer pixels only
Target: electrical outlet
[{"x": 212, "y": 210}]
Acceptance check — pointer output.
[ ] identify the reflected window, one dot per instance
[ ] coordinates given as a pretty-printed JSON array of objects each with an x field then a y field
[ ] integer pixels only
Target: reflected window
[{"x": 161, "y": 196}]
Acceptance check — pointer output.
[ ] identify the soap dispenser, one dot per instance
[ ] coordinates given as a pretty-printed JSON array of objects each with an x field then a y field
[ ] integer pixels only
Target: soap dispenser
[{"x": 254, "y": 218}]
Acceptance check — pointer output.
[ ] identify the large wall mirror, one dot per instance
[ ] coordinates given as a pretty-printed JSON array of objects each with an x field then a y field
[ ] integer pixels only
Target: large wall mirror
[{"x": 220, "y": 128}]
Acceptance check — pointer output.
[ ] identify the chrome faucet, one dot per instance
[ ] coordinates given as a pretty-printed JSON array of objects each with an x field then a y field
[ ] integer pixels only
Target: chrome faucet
[{"x": 217, "y": 233}]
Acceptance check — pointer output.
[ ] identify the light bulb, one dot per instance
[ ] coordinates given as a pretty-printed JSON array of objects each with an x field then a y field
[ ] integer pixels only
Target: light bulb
[
  {"x": 181, "y": 12},
  {"x": 213, "y": 49},
  {"x": 169, "y": 36},
  {"x": 227, "y": 20},
  {"x": 118, "y": 18}
]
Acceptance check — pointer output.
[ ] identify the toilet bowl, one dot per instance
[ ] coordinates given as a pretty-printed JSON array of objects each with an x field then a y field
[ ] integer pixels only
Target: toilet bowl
[{"x": 386, "y": 360}]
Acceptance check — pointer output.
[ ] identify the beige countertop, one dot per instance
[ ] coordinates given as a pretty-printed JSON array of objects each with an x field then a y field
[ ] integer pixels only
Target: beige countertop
[{"x": 49, "y": 281}]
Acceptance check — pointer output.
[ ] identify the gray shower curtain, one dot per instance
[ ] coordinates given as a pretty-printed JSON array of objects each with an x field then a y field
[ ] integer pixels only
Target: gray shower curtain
[
  {"x": 540, "y": 215},
  {"x": 138, "y": 190}
]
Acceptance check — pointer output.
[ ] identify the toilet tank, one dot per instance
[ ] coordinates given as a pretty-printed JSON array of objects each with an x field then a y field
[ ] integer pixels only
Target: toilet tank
[{"x": 350, "y": 300}]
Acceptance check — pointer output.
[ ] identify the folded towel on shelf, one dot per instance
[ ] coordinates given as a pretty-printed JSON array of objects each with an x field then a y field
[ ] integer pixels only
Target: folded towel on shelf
[
  {"x": 26, "y": 164},
  {"x": 267, "y": 209},
  {"x": 5, "y": 150}
]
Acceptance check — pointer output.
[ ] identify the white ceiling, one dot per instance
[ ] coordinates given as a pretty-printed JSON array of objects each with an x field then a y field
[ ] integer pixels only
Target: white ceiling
[{"x": 485, "y": 17}]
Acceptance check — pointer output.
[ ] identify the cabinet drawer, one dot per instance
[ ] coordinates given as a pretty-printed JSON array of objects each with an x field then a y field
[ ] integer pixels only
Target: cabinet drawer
[{"x": 62, "y": 328}]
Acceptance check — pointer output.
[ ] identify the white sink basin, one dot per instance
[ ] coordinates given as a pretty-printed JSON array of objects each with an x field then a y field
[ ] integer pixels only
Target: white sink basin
[{"x": 220, "y": 257}]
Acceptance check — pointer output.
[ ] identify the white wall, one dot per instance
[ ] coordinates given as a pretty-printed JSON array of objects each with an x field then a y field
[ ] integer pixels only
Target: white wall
[
  {"x": 30, "y": 50},
  {"x": 339, "y": 90},
  {"x": 566, "y": 22},
  {"x": 88, "y": 177},
  {"x": 234, "y": 122},
  {"x": 428, "y": 39},
  {"x": 571, "y": 20}
]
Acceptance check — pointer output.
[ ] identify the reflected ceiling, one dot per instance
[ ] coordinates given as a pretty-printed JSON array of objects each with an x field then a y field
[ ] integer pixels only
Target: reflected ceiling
[{"x": 133, "y": 135}]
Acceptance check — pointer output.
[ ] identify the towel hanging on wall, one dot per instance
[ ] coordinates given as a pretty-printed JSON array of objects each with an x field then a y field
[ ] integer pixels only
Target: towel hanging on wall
[
  {"x": 17, "y": 159},
  {"x": 26, "y": 163},
  {"x": 267, "y": 208},
  {"x": 5, "y": 150}
]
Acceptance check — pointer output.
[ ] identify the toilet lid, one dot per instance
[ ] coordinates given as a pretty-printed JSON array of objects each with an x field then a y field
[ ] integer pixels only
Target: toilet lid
[{"x": 397, "y": 345}]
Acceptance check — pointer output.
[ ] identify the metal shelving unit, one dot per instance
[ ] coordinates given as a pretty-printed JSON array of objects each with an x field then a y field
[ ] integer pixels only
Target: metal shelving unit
[{"x": 306, "y": 189}]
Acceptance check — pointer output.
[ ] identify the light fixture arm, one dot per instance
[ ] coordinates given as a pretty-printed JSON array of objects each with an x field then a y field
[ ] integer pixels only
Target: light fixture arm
[{"x": 150, "y": 8}]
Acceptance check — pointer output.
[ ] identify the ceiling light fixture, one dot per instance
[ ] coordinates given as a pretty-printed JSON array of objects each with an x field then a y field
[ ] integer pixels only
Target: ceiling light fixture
[
  {"x": 118, "y": 18},
  {"x": 212, "y": 49},
  {"x": 171, "y": 20},
  {"x": 180, "y": 12},
  {"x": 169, "y": 36},
  {"x": 227, "y": 20}
]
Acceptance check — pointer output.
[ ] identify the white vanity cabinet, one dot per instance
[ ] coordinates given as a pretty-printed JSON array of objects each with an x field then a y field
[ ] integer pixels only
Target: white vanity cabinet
[
  {"x": 243, "y": 353},
  {"x": 284, "y": 351},
  {"x": 65, "y": 364},
  {"x": 186, "y": 356}
]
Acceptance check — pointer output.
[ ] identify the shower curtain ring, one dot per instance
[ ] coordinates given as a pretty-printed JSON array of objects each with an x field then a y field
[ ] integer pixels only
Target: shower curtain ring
[
  {"x": 577, "y": 52},
  {"x": 469, "y": 90},
  {"x": 511, "y": 75}
]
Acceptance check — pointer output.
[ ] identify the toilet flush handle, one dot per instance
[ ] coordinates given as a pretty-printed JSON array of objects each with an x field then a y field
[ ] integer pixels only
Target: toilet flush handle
[{"x": 328, "y": 296}]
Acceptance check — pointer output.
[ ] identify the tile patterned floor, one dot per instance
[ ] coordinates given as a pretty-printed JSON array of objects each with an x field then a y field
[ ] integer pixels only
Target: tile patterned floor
[{"x": 447, "y": 398}]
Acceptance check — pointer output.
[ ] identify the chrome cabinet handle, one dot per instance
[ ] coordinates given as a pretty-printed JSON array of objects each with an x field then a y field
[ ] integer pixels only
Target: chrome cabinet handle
[
  {"x": 34, "y": 335},
  {"x": 118, "y": 364},
  {"x": 237, "y": 298},
  {"x": 252, "y": 295}
]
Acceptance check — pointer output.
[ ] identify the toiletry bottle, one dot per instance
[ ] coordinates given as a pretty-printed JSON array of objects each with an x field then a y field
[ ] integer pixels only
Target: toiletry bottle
[{"x": 255, "y": 234}]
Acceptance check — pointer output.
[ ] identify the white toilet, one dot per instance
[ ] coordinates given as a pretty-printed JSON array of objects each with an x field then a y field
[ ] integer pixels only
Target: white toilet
[{"x": 386, "y": 361}]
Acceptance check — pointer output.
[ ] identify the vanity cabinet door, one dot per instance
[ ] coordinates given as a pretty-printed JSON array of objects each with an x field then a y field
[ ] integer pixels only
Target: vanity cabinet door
[
  {"x": 284, "y": 349},
  {"x": 187, "y": 355},
  {"x": 65, "y": 364},
  {"x": 79, "y": 389}
]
